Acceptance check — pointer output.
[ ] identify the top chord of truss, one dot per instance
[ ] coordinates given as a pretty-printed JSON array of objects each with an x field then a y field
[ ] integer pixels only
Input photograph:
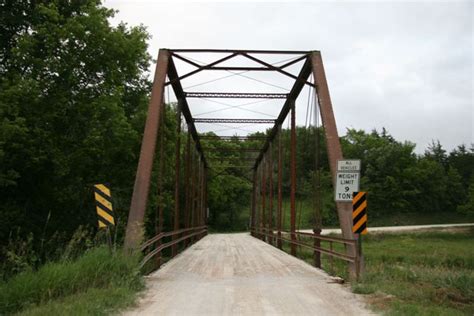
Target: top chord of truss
[
  {"x": 285, "y": 52},
  {"x": 236, "y": 95}
]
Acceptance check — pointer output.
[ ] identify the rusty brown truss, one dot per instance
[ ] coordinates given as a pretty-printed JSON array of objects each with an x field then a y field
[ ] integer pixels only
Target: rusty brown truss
[{"x": 196, "y": 165}]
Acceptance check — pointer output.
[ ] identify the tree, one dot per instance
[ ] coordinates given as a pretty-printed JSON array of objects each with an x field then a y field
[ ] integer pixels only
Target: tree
[
  {"x": 73, "y": 90},
  {"x": 468, "y": 206},
  {"x": 385, "y": 168},
  {"x": 462, "y": 159}
]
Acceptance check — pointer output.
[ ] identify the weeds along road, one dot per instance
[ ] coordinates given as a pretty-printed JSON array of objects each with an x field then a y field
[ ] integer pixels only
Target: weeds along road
[
  {"x": 387, "y": 229},
  {"x": 236, "y": 274}
]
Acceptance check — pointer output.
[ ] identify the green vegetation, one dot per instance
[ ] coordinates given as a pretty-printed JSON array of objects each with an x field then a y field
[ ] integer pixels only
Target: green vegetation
[
  {"x": 426, "y": 273},
  {"x": 98, "y": 282}
]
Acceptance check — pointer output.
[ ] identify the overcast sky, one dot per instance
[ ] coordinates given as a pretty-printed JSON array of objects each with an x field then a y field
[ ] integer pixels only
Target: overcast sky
[{"x": 405, "y": 66}]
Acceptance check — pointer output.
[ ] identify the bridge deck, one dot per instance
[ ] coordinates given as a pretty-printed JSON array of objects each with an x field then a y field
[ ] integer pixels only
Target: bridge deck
[{"x": 236, "y": 274}]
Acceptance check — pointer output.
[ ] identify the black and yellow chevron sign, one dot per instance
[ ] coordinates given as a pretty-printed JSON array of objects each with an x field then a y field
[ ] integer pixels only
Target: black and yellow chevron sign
[
  {"x": 103, "y": 202},
  {"x": 359, "y": 213}
]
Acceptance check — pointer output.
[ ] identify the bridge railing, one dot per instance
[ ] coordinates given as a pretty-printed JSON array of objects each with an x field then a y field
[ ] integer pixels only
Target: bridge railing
[
  {"x": 272, "y": 237},
  {"x": 154, "y": 246}
]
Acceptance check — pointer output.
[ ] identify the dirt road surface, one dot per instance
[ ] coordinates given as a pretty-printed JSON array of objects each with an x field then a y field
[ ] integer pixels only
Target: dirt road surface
[{"x": 236, "y": 274}]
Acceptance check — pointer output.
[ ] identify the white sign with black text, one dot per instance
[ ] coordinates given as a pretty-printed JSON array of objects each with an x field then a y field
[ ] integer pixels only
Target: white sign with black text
[
  {"x": 348, "y": 165},
  {"x": 346, "y": 184}
]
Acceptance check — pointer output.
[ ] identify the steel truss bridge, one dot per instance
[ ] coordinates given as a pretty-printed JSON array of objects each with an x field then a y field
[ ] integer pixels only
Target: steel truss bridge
[{"x": 190, "y": 220}]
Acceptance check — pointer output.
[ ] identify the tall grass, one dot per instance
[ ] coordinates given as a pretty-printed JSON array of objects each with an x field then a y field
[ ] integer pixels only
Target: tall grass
[{"x": 94, "y": 274}]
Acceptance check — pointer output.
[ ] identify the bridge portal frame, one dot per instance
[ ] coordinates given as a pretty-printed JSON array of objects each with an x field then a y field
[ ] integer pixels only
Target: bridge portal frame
[{"x": 165, "y": 67}]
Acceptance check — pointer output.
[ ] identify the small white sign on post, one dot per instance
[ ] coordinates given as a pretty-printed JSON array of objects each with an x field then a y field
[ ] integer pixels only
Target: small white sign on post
[
  {"x": 348, "y": 165},
  {"x": 347, "y": 179}
]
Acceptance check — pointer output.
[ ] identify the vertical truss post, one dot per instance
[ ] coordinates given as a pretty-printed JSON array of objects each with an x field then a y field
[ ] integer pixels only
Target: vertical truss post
[
  {"x": 201, "y": 186},
  {"x": 264, "y": 197},
  {"x": 161, "y": 172},
  {"x": 344, "y": 210},
  {"x": 317, "y": 193},
  {"x": 280, "y": 195},
  {"x": 254, "y": 200},
  {"x": 177, "y": 174},
  {"x": 134, "y": 232},
  {"x": 270, "y": 189},
  {"x": 192, "y": 184},
  {"x": 196, "y": 194},
  {"x": 189, "y": 180},
  {"x": 259, "y": 200},
  {"x": 186, "y": 190},
  {"x": 293, "y": 179},
  {"x": 205, "y": 195}
]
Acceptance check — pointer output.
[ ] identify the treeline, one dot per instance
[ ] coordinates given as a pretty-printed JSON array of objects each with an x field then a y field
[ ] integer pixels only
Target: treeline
[
  {"x": 398, "y": 180},
  {"x": 73, "y": 98}
]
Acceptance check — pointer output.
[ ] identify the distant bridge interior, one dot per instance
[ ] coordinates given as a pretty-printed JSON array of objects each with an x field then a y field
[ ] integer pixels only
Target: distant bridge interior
[{"x": 254, "y": 110}]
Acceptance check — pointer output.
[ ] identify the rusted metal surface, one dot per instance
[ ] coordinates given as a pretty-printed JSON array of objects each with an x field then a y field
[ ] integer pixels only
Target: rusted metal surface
[
  {"x": 236, "y": 95},
  {"x": 205, "y": 196},
  {"x": 270, "y": 190},
  {"x": 344, "y": 210},
  {"x": 134, "y": 232},
  {"x": 187, "y": 162},
  {"x": 317, "y": 244},
  {"x": 254, "y": 201},
  {"x": 188, "y": 233},
  {"x": 293, "y": 179},
  {"x": 280, "y": 193},
  {"x": 353, "y": 259},
  {"x": 161, "y": 172},
  {"x": 277, "y": 52},
  {"x": 177, "y": 172},
  {"x": 264, "y": 196}
]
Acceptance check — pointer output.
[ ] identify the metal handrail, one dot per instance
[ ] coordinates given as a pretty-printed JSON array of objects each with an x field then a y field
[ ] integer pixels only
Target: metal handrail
[
  {"x": 326, "y": 238},
  {"x": 336, "y": 254},
  {"x": 159, "y": 237},
  {"x": 167, "y": 234}
]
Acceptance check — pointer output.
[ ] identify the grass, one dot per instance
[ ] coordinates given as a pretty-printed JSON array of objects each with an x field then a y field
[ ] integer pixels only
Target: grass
[
  {"x": 430, "y": 273},
  {"x": 96, "y": 283}
]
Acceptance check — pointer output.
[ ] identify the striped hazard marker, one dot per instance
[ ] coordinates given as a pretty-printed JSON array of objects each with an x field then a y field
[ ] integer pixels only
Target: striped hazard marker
[
  {"x": 359, "y": 213},
  {"x": 103, "y": 203}
]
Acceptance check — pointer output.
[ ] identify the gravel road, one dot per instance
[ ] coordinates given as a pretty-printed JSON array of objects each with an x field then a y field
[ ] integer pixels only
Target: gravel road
[{"x": 236, "y": 274}]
